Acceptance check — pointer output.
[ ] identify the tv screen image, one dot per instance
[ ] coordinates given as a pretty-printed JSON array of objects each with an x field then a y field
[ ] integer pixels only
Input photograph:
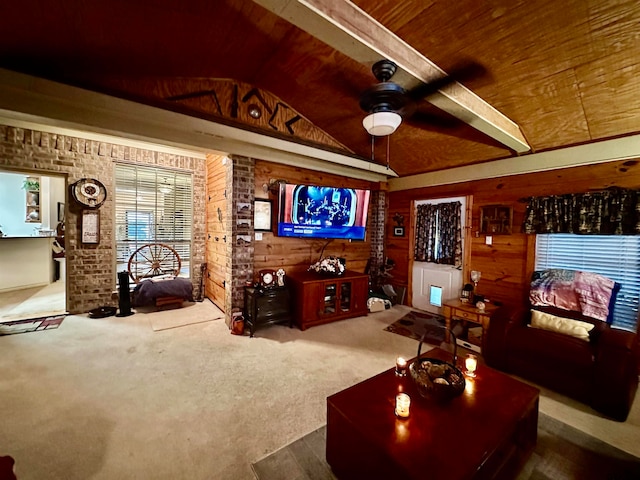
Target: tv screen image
[{"x": 310, "y": 211}]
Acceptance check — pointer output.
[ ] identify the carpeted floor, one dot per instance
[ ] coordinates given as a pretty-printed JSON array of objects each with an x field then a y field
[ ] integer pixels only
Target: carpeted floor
[
  {"x": 562, "y": 452},
  {"x": 190, "y": 313},
  {"x": 414, "y": 324},
  {"x": 31, "y": 325},
  {"x": 110, "y": 398}
]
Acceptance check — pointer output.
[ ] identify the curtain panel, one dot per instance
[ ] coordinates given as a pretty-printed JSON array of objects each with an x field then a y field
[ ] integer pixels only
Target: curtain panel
[
  {"x": 439, "y": 233},
  {"x": 611, "y": 212}
]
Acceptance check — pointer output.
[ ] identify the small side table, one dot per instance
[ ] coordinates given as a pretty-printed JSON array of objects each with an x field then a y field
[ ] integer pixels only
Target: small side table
[
  {"x": 457, "y": 310},
  {"x": 266, "y": 307}
]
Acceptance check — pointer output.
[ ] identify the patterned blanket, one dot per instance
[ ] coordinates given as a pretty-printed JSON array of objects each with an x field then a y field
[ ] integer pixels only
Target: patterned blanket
[{"x": 584, "y": 292}]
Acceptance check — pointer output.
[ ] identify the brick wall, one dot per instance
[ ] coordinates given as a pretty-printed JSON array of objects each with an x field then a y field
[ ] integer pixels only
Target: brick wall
[
  {"x": 91, "y": 275},
  {"x": 240, "y": 182},
  {"x": 377, "y": 216}
]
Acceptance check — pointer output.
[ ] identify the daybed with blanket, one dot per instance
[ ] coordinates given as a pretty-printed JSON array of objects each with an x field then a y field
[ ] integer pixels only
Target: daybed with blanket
[
  {"x": 564, "y": 341},
  {"x": 154, "y": 268}
]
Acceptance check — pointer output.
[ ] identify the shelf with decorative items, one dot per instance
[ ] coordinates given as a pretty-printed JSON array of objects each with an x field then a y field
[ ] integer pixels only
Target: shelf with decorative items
[{"x": 31, "y": 185}]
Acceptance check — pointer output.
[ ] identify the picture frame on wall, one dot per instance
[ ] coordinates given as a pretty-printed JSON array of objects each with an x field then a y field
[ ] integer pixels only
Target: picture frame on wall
[
  {"x": 262, "y": 215},
  {"x": 496, "y": 219},
  {"x": 90, "y": 226},
  {"x": 398, "y": 231}
]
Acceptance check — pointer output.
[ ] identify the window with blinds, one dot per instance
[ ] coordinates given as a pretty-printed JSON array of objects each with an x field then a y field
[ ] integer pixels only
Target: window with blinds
[
  {"x": 614, "y": 256},
  {"x": 153, "y": 205}
]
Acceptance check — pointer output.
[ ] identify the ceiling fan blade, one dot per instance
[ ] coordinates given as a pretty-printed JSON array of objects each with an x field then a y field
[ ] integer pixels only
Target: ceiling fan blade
[
  {"x": 438, "y": 121},
  {"x": 461, "y": 73}
]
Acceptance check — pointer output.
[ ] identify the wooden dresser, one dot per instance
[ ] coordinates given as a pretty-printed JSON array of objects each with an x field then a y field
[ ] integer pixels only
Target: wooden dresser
[{"x": 322, "y": 299}]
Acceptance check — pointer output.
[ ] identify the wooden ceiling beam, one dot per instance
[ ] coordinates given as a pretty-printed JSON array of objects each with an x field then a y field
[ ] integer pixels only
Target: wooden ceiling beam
[{"x": 350, "y": 30}]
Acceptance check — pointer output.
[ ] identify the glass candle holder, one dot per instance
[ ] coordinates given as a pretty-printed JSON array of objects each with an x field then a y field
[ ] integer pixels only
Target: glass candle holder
[
  {"x": 403, "y": 402},
  {"x": 401, "y": 366},
  {"x": 471, "y": 364}
]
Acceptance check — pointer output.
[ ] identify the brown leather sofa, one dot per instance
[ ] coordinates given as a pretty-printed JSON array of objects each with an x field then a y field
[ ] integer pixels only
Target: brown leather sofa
[{"x": 601, "y": 372}]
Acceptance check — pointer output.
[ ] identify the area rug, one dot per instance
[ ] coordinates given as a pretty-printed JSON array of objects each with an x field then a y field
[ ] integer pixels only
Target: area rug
[
  {"x": 190, "y": 313},
  {"x": 414, "y": 324},
  {"x": 562, "y": 452},
  {"x": 31, "y": 325},
  {"x": 46, "y": 301}
]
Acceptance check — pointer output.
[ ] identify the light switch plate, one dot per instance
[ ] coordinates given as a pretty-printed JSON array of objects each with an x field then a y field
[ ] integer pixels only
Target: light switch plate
[
  {"x": 488, "y": 240},
  {"x": 258, "y": 236}
]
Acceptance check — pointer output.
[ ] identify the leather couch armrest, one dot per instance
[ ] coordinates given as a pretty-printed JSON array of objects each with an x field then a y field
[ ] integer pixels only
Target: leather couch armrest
[
  {"x": 616, "y": 372},
  {"x": 504, "y": 320},
  {"x": 616, "y": 338}
]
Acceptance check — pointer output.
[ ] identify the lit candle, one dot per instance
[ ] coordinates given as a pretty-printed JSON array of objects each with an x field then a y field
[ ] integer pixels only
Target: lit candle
[
  {"x": 471, "y": 362},
  {"x": 402, "y": 405},
  {"x": 401, "y": 366}
]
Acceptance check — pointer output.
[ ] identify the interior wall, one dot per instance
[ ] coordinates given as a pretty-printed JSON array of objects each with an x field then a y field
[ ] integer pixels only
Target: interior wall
[
  {"x": 91, "y": 268},
  {"x": 507, "y": 263},
  {"x": 217, "y": 229},
  {"x": 296, "y": 254}
]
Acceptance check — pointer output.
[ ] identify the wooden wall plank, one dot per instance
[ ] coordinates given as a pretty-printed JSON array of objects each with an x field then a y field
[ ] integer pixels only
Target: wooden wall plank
[{"x": 216, "y": 251}]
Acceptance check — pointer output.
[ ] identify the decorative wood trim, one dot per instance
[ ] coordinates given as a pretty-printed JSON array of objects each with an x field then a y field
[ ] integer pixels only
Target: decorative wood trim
[
  {"x": 625, "y": 148},
  {"x": 30, "y": 102}
]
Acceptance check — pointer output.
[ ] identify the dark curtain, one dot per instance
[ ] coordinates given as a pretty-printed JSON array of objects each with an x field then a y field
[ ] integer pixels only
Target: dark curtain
[
  {"x": 439, "y": 234},
  {"x": 611, "y": 212}
]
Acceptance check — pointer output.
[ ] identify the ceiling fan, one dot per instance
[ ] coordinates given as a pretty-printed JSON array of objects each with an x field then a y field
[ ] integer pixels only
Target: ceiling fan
[{"x": 387, "y": 102}]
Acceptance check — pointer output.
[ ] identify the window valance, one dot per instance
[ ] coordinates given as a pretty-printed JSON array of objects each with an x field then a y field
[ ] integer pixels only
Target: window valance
[{"x": 609, "y": 212}]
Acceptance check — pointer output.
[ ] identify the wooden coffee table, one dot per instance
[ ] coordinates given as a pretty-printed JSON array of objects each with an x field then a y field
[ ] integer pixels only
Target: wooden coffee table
[{"x": 487, "y": 432}]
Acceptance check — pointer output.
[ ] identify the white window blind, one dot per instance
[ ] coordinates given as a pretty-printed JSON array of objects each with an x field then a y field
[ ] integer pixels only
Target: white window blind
[
  {"x": 153, "y": 205},
  {"x": 614, "y": 256}
]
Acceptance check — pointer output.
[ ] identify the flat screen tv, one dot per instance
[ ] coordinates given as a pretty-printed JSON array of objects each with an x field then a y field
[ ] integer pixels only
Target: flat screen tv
[{"x": 310, "y": 211}]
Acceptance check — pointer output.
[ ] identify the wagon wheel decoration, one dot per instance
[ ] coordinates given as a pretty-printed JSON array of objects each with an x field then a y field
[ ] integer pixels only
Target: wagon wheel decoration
[{"x": 153, "y": 259}]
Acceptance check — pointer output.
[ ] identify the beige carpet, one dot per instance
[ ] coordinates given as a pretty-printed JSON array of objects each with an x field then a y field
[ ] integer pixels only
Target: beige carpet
[
  {"x": 109, "y": 398},
  {"x": 46, "y": 301},
  {"x": 190, "y": 313}
]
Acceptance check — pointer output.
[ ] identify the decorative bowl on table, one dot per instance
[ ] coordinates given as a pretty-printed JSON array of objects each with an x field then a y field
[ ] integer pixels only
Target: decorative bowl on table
[{"x": 437, "y": 379}]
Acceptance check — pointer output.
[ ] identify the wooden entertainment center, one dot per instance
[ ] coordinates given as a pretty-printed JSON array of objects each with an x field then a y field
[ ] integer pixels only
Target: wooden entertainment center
[{"x": 322, "y": 299}]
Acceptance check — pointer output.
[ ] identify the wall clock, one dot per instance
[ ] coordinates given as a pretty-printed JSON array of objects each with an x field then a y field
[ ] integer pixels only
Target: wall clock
[{"x": 89, "y": 192}]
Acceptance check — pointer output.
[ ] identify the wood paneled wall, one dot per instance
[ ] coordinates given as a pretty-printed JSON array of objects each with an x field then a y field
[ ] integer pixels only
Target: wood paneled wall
[
  {"x": 296, "y": 254},
  {"x": 217, "y": 225},
  {"x": 506, "y": 265}
]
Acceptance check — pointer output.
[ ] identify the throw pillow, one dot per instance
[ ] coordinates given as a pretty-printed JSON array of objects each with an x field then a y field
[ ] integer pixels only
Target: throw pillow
[{"x": 566, "y": 326}]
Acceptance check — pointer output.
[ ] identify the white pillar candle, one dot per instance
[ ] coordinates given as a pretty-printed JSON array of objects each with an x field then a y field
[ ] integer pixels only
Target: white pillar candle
[
  {"x": 401, "y": 366},
  {"x": 403, "y": 401},
  {"x": 471, "y": 362}
]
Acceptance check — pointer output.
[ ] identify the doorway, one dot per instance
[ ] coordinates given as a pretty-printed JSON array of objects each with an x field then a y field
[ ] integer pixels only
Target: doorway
[
  {"x": 433, "y": 284},
  {"x": 32, "y": 256}
]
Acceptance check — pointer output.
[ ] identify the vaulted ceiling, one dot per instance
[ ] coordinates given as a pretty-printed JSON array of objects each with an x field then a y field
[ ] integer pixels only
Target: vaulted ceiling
[{"x": 567, "y": 73}]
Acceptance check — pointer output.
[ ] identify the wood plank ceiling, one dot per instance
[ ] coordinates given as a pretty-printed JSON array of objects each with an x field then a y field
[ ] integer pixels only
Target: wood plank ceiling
[{"x": 566, "y": 72}]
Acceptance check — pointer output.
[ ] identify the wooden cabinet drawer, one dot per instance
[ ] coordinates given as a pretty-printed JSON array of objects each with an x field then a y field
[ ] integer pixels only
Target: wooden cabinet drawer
[{"x": 472, "y": 317}]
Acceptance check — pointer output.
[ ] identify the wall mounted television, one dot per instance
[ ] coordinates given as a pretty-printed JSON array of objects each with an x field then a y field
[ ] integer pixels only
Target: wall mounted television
[{"x": 310, "y": 211}]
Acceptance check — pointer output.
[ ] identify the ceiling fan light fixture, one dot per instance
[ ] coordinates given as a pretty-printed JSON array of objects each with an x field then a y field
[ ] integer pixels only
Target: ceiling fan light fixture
[{"x": 381, "y": 124}]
